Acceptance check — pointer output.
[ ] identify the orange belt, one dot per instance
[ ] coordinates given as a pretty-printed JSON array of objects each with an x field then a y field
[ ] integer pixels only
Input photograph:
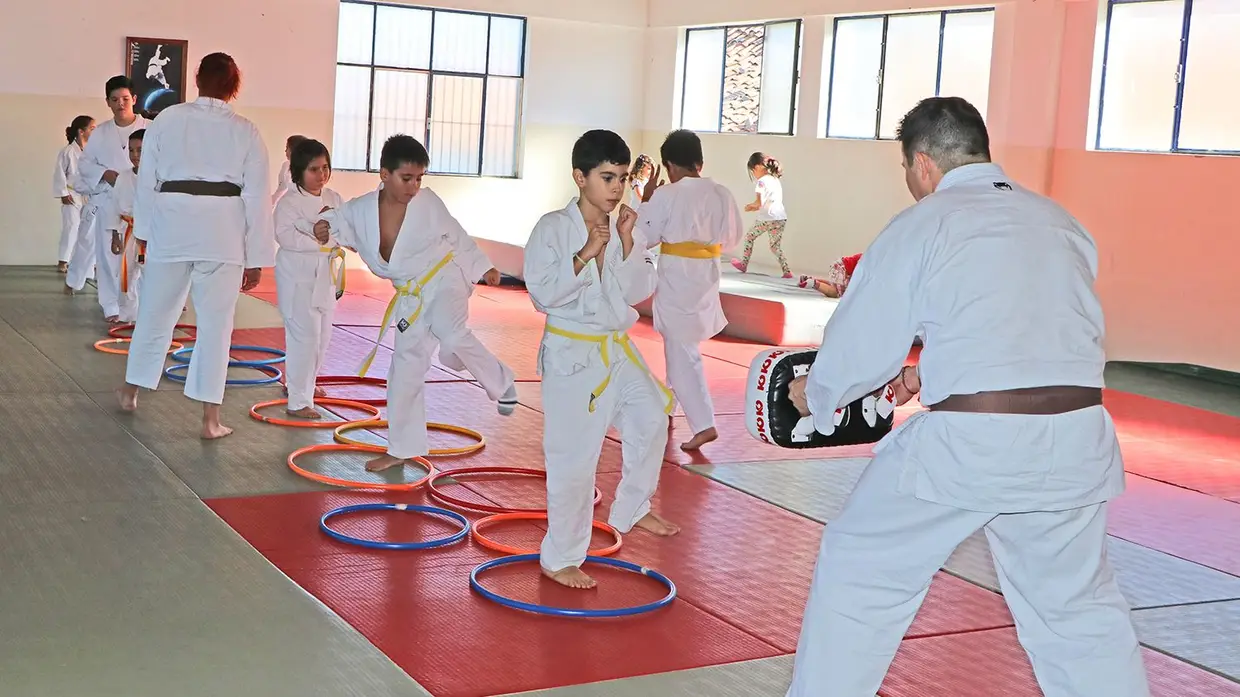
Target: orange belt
[{"x": 124, "y": 257}]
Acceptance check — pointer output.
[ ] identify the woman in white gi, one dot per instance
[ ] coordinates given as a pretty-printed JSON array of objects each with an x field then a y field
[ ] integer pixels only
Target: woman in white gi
[
  {"x": 405, "y": 234},
  {"x": 585, "y": 273},
  {"x": 63, "y": 179},
  {"x": 1000, "y": 283},
  {"x": 692, "y": 219},
  {"x": 203, "y": 207},
  {"x": 105, "y": 156},
  {"x": 305, "y": 287}
]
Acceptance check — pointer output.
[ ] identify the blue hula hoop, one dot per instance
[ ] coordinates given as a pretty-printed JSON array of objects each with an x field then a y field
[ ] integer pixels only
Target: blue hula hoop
[
  {"x": 372, "y": 544},
  {"x": 569, "y": 612},
  {"x": 173, "y": 372},
  {"x": 181, "y": 355}
]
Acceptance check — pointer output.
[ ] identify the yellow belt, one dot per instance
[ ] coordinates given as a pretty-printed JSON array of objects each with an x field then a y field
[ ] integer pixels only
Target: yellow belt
[
  {"x": 413, "y": 287},
  {"x": 621, "y": 338},
  {"x": 691, "y": 250},
  {"x": 335, "y": 264}
]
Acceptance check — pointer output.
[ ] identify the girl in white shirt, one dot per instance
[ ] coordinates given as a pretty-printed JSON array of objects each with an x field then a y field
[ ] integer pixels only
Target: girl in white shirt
[
  {"x": 305, "y": 287},
  {"x": 71, "y": 201},
  {"x": 639, "y": 177},
  {"x": 285, "y": 181},
  {"x": 769, "y": 205}
]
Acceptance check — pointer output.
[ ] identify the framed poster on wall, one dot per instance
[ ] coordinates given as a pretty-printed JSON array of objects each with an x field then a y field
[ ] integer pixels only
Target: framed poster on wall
[{"x": 159, "y": 69}]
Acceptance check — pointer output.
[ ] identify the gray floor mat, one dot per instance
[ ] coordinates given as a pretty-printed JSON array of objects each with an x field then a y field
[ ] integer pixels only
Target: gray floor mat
[
  {"x": 1206, "y": 634},
  {"x": 250, "y": 462},
  {"x": 63, "y": 449},
  {"x": 25, "y": 368},
  {"x": 124, "y": 600},
  {"x": 1180, "y": 389},
  {"x": 818, "y": 489},
  {"x": 767, "y": 677}
]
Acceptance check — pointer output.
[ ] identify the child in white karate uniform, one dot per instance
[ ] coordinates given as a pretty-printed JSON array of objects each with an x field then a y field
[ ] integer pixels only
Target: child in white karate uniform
[
  {"x": 306, "y": 285},
  {"x": 116, "y": 215},
  {"x": 693, "y": 219},
  {"x": 63, "y": 177},
  {"x": 406, "y": 235},
  {"x": 585, "y": 272}
]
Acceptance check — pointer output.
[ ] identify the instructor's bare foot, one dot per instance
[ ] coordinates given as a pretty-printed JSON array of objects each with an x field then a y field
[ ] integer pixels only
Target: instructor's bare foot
[
  {"x": 127, "y": 398},
  {"x": 62, "y": 267},
  {"x": 384, "y": 462},
  {"x": 215, "y": 431},
  {"x": 700, "y": 439},
  {"x": 654, "y": 524},
  {"x": 570, "y": 576},
  {"x": 68, "y": 290},
  {"x": 305, "y": 413}
]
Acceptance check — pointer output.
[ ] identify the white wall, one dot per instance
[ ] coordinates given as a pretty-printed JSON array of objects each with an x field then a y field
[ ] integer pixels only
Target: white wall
[{"x": 581, "y": 72}]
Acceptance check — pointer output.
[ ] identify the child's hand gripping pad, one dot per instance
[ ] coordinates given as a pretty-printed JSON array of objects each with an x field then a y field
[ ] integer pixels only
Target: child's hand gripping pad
[{"x": 771, "y": 417}]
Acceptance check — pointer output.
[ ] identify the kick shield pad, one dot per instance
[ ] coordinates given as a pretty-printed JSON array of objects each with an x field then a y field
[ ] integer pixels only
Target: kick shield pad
[{"x": 771, "y": 417}]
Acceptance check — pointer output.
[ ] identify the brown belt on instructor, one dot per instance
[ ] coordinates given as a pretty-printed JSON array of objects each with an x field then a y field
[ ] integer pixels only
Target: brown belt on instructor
[
  {"x": 1032, "y": 401},
  {"x": 199, "y": 188}
]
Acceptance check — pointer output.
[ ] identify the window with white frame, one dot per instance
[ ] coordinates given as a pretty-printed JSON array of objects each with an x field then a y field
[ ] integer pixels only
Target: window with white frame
[
  {"x": 741, "y": 79},
  {"x": 453, "y": 80},
  {"x": 879, "y": 67},
  {"x": 1170, "y": 71}
]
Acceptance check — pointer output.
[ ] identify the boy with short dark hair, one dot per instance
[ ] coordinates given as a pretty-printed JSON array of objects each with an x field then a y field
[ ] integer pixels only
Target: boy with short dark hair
[
  {"x": 116, "y": 216},
  {"x": 414, "y": 242},
  {"x": 585, "y": 272}
]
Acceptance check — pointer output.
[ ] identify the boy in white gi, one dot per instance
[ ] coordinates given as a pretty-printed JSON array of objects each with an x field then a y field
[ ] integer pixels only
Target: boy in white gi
[
  {"x": 406, "y": 235},
  {"x": 585, "y": 272},
  {"x": 305, "y": 285},
  {"x": 692, "y": 219},
  {"x": 1000, "y": 283},
  {"x": 117, "y": 218},
  {"x": 103, "y": 159}
]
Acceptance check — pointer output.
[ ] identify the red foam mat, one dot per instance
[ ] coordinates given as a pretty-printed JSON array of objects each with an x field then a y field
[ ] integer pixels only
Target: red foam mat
[
  {"x": 993, "y": 664},
  {"x": 418, "y": 609}
]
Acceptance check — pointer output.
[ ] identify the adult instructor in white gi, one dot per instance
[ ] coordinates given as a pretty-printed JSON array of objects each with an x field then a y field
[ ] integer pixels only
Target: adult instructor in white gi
[
  {"x": 998, "y": 281},
  {"x": 203, "y": 206}
]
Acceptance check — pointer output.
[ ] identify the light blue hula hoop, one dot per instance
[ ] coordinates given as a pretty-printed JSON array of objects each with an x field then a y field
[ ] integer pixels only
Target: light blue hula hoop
[
  {"x": 181, "y": 355},
  {"x": 173, "y": 372}
]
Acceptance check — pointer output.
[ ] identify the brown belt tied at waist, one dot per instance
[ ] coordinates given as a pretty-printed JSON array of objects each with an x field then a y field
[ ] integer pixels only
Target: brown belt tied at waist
[
  {"x": 1033, "y": 400},
  {"x": 197, "y": 188}
]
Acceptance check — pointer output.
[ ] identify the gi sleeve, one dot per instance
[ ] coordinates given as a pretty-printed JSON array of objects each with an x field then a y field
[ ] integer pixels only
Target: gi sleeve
[
  {"x": 636, "y": 274},
  {"x": 255, "y": 196},
  {"x": 91, "y": 168},
  {"x": 60, "y": 177},
  {"x": 548, "y": 267},
  {"x": 342, "y": 223},
  {"x": 868, "y": 338}
]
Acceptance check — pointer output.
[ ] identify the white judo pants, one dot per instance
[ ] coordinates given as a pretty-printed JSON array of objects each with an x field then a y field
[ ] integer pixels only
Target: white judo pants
[
  {"x": 82, "y": 258},
  {"x": 165, "y": 285},
  {"x": 70, "y": 220},
  {"x": 573, "y": 442},
  {"x": 307, "y": 301},
  {"x": 878, "y": 558},
  {"x": 107, "y": 273},
  {"x": 686, "y": 376},
  {"x": 443, "y": 323}
]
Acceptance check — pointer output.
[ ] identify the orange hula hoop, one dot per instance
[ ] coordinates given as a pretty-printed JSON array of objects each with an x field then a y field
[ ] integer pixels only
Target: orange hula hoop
[
  {"x": 350, "y": 483},
  {"x": 117, "y": 332},
  {"x": 373, "y": 412},
  {"x": 507, "y": 549},
  {"x": 458, "y": 474},
  {"x": 327, "y": 380},
  {"x": 104, "y": 346}
]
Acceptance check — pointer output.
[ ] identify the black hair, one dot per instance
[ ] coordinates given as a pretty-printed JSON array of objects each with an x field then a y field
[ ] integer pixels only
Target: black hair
[
  {"x": 949, "y": 130},
  {"x": 76, "y": 126},
  {"x": 293, "y": 140},
  {"x": 304, "y": 153},
  {"x": 643, "y": 161},
  {"x": 138, "y": 134},
  {"x": 682, "y": 148},
  {"x": 599, "y": 147},
  {"x": 120, "y": 82},
  {"x": 772, "y": 165},
  {"x": 401, "y": 149}
]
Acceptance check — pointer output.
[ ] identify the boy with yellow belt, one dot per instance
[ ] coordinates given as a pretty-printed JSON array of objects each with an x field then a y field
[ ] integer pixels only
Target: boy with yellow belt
[{"x": 692, "y": 219}]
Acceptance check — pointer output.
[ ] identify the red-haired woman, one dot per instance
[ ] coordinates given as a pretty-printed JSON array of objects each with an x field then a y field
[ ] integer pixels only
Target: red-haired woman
[{"x": 203, "y": 207}]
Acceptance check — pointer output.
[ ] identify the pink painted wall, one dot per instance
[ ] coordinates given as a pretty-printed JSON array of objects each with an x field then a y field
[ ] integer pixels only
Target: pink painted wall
[{"x": 1167, "y": 227}]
